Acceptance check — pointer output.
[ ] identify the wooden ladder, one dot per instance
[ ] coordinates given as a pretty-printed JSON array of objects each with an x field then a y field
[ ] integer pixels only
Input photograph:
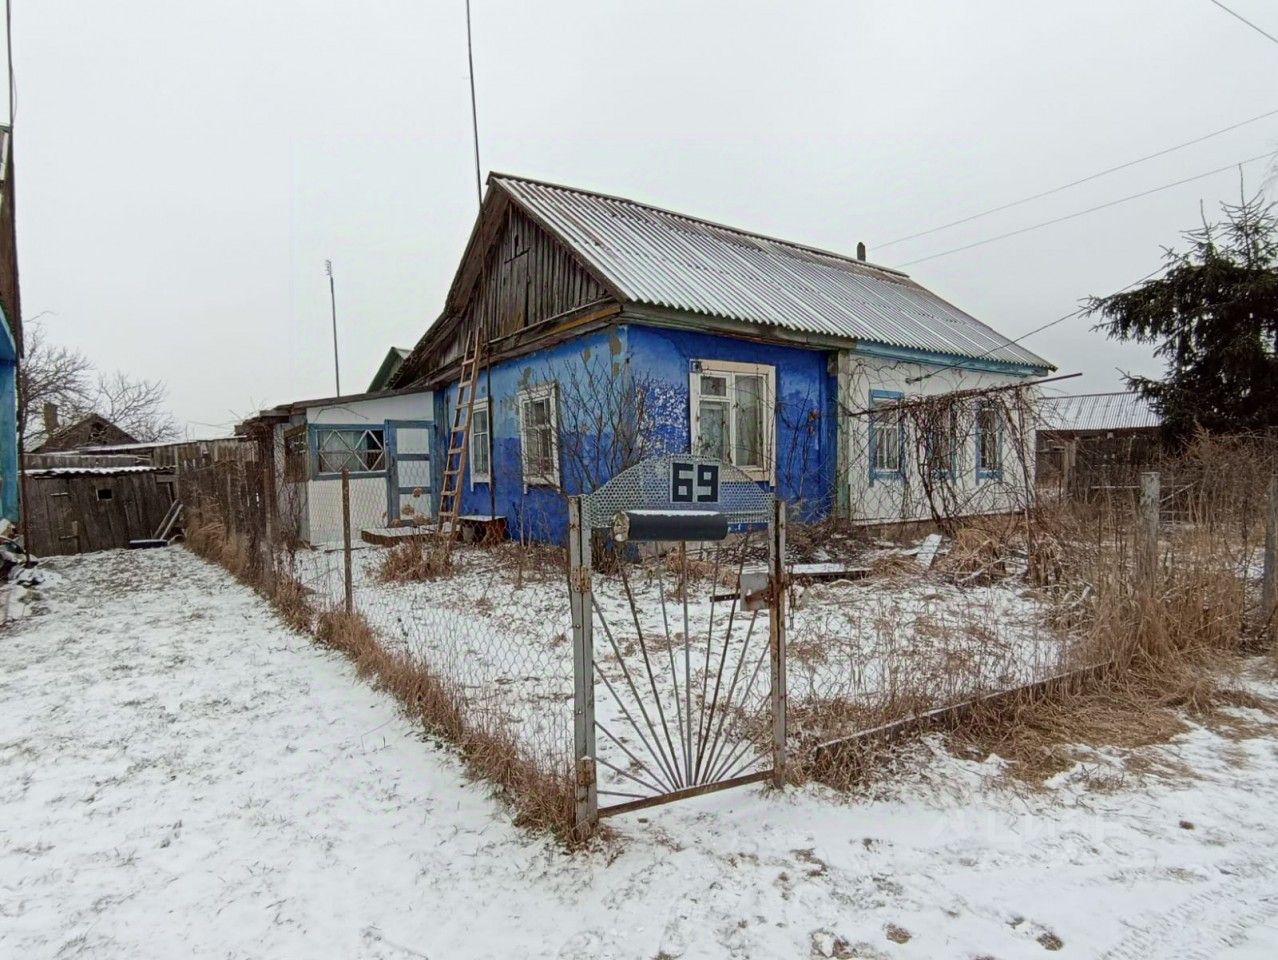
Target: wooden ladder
[{"x": 458, "y": 443}]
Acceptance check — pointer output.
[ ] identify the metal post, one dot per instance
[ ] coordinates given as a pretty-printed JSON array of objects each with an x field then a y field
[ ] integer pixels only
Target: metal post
[
  {"x": 1147, "y": 544},
  {"x": 332, "y": 300},
  {"x": 579, "y": 592},
  {"x": 1269, "y": 585},
  {"x": 776, "y": 637},
  {"x": 346, "y": 537}
]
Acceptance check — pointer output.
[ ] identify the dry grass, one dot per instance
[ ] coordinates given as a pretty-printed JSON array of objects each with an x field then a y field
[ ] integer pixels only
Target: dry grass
[
  {"x": 417, "y": 558},
  {"x": 542, "y": 799},
  {"x": 1171, "y": 636}
]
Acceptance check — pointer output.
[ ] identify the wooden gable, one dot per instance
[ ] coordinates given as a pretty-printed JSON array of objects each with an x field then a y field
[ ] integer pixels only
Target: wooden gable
[{"x": 515, "y": 277}]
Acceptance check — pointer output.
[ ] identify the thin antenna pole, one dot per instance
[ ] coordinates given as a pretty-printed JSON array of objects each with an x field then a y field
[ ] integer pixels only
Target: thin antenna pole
[
  {"x": 332, "y": 299},
  {"x": 474, "y": 113}
]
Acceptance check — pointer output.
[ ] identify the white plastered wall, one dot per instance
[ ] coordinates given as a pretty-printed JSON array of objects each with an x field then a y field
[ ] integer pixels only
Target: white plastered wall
[
  {"x": 879, "y": 500},
  {"x": 368, "y": 494}
]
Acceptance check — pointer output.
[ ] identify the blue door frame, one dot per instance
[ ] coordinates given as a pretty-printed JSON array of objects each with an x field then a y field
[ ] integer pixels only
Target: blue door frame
[{"x": 393, "y": 458}]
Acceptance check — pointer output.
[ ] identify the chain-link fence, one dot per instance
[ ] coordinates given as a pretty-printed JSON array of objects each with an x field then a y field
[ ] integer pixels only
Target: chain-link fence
[
  {"x": 883, "y": 625},
  {"x": 475, "y": 636}
]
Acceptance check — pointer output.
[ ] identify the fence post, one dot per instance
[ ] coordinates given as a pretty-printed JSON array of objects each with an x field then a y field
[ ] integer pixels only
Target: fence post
[
  {"x": 776, "y": 637},
  {"x": 1269, "y": 585},
  {"x": 579, "y": 593},
  {"x": 1147, "y": 543},
  {"x": 346, "y": 538}
]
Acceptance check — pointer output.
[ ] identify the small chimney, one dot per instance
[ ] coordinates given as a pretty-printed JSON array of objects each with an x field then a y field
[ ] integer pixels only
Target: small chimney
[
  {"x": 50, "y": 417},
  {"x": 860, "y": 251}
]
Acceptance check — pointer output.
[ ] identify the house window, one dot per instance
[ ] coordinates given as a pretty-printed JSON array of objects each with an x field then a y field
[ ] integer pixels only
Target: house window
[
  {"x": 539, "y": 435},
  {"x": 989, "y": 442},
  {"x": 357, "y": 449},
  {"x": 481, "y": 470},
  {"x": 733, "y": 412},
  {"x": 106, "y": 493},
  {"x": 887, "y": 435},
  {"x": 941, "y": 448}
]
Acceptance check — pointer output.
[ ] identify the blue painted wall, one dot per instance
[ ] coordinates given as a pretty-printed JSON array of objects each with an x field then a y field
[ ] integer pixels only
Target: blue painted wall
[
  {"x": 8, "y": 423},
  {"x": 537, "y": 512},
  {"x": 805, "y": 427},
  {"x": 657, "y": 360}
]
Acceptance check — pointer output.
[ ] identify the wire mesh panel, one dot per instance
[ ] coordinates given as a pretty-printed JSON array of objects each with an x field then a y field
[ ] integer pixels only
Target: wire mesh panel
[{"x": 679, "y": 643}]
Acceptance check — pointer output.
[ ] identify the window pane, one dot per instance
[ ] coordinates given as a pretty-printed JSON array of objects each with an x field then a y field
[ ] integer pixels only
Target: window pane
[
  {"x": 990, "y": 454},
  {"x": 479, "y": 444},
  {"x": 713, "y": 438},
  {"x": 887, "y": 435},
  {"x": 748, "y": 442},
  {"x": 372, "y": 454},
  {"x": 712, "y": 386}
]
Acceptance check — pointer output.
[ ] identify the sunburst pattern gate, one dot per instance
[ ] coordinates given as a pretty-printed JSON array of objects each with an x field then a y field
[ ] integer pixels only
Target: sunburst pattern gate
[{"x": 679, "y": 639}]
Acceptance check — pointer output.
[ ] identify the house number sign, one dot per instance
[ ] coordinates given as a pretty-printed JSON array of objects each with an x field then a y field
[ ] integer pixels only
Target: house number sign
[{"x": 694, "y": 482}]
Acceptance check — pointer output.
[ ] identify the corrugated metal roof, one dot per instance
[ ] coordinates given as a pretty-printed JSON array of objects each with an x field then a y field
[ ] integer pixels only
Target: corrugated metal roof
[
  {"x": 90, "y": 471},
  {"x": 665, "y": 259},
  {"x": 1098, "y": 411}
]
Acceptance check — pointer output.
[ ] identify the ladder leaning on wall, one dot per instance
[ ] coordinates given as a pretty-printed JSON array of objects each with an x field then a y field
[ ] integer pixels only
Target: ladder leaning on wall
[{"x": 458, "y": 443}]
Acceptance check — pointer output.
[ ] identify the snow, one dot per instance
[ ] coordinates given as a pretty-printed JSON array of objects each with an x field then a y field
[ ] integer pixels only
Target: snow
[
  {"x": 506, "y": 641},
  {"x": 182, "y": 775}
]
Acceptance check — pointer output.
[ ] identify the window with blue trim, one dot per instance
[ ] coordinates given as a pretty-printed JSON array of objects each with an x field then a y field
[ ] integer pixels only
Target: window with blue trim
[
  {"x": 357, "y": 449},
  {"x": 989, "y": 442},
  {"x": 941, "y": 446},
  {"x": 887, "y": 436}
]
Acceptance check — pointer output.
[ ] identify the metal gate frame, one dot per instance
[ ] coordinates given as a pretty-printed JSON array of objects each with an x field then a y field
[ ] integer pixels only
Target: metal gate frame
[{"x": 581, "y": 601}]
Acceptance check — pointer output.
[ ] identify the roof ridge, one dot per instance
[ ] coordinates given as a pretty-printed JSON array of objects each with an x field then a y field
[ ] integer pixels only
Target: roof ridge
[{"x": 821, "y": 251}]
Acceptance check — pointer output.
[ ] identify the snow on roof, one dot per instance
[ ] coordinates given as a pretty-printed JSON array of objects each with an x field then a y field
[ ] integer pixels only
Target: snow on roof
[
  {"x": 665, "y": 259},
  {"x": 1122, "y": 410}
]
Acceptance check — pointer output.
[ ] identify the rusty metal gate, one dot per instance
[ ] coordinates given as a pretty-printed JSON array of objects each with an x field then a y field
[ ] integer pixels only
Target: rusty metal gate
[{"x": 672, "y": 629}]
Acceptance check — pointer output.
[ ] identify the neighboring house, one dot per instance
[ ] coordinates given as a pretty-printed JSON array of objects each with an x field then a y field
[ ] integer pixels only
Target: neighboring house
[
  {"x": 612, "y": 330},
  {"x": 383, "y": 439},
  {"x": 10, "y": 334},
  {"x": 394, "y": 359},
  {"x": 1097, "y": 440},
  {"x": 91, "y": 431}
]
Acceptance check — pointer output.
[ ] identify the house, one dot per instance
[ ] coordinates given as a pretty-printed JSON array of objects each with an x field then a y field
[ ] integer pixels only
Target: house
[
  {"x": 393, "y": 360},
  {"x": 1088, "y": 442},
  {"x": 612, "y": 330},
  {"x": 383, "y": 439},
  {"x": 94, "y": 430},
  {"x": 10, "y": 334}
]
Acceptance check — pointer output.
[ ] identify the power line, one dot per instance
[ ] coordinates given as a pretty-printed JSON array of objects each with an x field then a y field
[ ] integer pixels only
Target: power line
[
  {"x": 1082, "y": 213},
  {"x": 1239, "y": 16},
  {"x": 474, "y": 113},
  {"x": 1025, "y": 336},
  {"x": 1075, "y": 183}
]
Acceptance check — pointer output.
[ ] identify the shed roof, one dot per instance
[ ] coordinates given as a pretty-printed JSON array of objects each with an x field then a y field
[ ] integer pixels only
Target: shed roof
[
  {"x": 1122, "y": 410},
  {"x": 665, "y": 259},
  {"x": 91, "y": 471}
]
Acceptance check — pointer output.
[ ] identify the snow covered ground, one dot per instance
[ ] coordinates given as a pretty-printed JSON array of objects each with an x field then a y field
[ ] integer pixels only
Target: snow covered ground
[
  {"x": 504, "y": 635},
  {"x": 182, "y": 775}
]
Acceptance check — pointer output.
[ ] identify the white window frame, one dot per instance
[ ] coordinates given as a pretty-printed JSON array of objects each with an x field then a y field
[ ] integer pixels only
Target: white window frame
[
  {"x": 528, "y": 396},
  {"x": 481, "y": 406},
  {"x": 767, "y": 473}
]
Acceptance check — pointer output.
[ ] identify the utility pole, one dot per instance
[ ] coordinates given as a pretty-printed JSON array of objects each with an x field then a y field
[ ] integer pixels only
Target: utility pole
[
  {"x": 474, "y": 113},
  {"x": 332, "y": 299}
]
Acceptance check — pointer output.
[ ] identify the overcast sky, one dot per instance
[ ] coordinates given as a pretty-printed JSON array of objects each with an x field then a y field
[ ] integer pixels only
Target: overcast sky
[{"x": 185, "y": 167}]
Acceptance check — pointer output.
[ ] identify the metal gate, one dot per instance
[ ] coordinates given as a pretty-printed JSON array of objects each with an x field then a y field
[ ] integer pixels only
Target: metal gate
[{"x": 679, "y": 639}]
